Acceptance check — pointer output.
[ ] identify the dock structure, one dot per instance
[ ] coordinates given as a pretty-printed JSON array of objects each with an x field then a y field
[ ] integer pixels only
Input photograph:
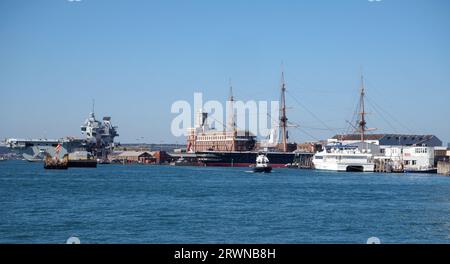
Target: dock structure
[
  {"x": 388, "y": 165},
  {"x": 302, "y": 160},
  {"x": 443, "y": 167},
  {"x": 382, "y": 165}
]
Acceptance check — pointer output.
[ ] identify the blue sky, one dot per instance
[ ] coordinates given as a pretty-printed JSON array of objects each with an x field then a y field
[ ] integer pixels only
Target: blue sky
[{"x": 137, "y": 57}]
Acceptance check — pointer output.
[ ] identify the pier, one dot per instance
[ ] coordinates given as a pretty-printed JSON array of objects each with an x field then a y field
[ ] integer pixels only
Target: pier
[
  {"x": 302, "y": 160},
  {"x": 382, "y": 165},
  {"x": 443, "y": 167},
  {"x": 387, "y": 165}
]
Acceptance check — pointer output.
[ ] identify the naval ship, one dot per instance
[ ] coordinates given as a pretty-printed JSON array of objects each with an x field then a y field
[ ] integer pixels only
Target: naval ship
[{"x": 98, "y": 140}]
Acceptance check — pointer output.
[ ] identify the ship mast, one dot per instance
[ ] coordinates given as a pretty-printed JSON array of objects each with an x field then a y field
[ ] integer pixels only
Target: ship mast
[
  {"x": 362, "y": 121},
  {"x": 231, "y": 121},
  {"x": 283, "y": 118}
]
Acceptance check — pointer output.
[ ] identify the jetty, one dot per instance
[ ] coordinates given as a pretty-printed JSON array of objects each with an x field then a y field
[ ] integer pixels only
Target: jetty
[{"x": 443, "y": 167}]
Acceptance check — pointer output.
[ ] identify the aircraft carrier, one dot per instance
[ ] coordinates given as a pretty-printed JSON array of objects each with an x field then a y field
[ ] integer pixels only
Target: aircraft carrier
[{"x": 98, "y": 140}]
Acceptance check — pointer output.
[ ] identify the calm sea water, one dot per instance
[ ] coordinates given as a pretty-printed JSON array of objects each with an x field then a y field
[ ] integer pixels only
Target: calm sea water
[{"x": 164, "y": 204}]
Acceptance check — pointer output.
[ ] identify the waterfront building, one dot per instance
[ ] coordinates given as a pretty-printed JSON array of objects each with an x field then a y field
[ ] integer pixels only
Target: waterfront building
[
  {"x": 135, "y": 157},
  {"x": 160, "y": 157},
  {"x": 440, "y": 154},
  {"x": 418, "y": 158},
  {"x": 409, "y": 158}
]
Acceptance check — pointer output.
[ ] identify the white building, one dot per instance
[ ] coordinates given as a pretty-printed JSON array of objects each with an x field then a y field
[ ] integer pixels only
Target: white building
[{"x": 413, "y": 159}]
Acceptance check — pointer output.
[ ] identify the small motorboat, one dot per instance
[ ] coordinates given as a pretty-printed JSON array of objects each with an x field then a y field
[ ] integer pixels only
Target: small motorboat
[
  {"x": 183, "y": 162},
  {"x": 262, "y": 164},
  {"x": 103, "y": 161},
  {"x": 421, "y": 170}
]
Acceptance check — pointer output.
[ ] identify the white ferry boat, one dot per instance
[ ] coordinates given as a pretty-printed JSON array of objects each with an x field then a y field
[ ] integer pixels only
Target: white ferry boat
[{"x": 344, "y": 158}]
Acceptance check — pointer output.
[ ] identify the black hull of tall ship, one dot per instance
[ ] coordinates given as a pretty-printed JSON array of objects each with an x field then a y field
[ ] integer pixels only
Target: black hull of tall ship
[
  {"x": 83, "y": 163},
  {"x": 244, "y": 159}
]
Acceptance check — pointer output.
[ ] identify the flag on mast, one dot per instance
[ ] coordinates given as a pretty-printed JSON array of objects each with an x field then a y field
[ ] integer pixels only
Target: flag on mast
[{"x": 58, "y": 148}]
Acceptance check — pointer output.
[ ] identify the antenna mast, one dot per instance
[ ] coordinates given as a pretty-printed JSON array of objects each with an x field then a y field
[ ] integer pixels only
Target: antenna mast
[{"x": 283, "y": 118}]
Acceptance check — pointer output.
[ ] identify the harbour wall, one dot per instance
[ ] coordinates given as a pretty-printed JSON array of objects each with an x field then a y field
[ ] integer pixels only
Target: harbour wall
[{"x": 443, "y": 167}]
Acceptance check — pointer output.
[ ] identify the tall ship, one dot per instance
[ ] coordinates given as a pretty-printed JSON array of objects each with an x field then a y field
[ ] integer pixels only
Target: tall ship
[
  {"x": 340, "y": 157},
  {"x": 239, "y": 148}
]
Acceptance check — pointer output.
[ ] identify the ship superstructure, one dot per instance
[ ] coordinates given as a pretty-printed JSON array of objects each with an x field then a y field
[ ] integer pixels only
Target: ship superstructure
[{"x": 99, "y": 135}]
